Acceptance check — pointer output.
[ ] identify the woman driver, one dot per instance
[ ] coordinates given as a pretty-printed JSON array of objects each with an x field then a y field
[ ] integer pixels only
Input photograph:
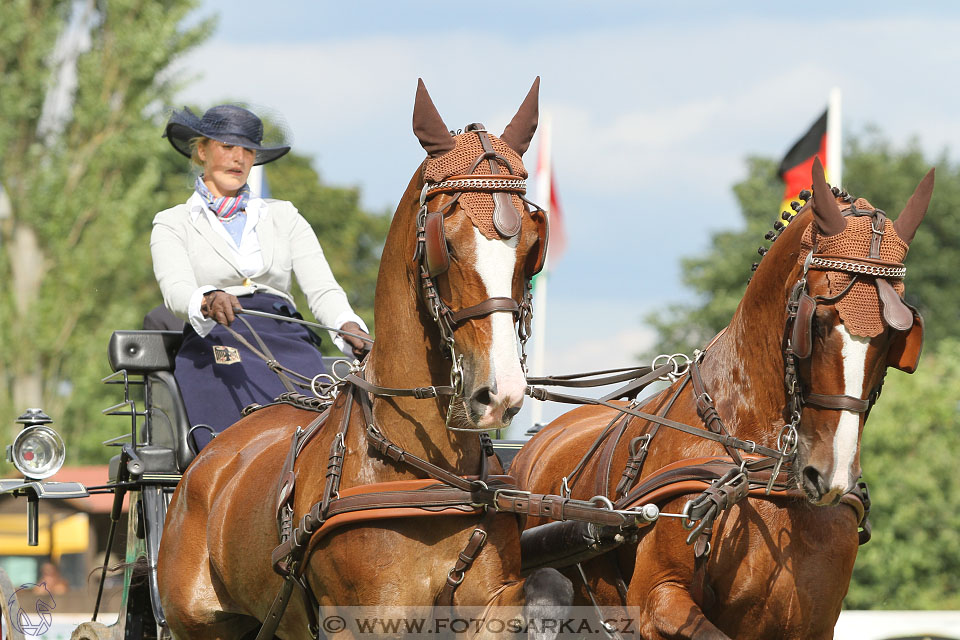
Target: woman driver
[{"x": 227, "y": 249}]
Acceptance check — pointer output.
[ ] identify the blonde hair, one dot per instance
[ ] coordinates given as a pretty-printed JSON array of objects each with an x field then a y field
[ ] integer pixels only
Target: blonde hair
[{"x": 194, "y": 144}]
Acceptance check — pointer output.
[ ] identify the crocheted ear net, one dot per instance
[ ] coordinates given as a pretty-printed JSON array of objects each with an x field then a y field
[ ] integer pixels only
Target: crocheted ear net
[
  {"x": 477, "y": 205},
  {"x": 859, "y": 309}
]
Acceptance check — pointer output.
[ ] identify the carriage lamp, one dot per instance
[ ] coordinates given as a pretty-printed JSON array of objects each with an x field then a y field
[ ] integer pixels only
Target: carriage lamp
[{"x": 38, "y": 451}]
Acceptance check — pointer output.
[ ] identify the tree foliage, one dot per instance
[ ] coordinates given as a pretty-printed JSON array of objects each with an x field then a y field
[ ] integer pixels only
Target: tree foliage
[
  {"x": 83, "y": 189},
  {"x": 909, "y": 458},
  {"x": 83, "y": 185}
]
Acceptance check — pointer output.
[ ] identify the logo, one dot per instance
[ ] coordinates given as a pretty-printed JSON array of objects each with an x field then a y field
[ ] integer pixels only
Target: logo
[
  {"x": 30, "y": 607},
  {"x": 225, "y": 355}
]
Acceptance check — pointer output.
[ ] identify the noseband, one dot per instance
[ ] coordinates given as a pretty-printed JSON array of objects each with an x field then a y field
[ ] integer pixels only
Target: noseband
[
  {"x": 433, "y": 258},
  {"x": 801, "y": 306}
]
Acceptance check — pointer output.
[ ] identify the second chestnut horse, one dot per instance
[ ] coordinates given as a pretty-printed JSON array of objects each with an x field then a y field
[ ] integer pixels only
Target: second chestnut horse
[{"x": 824, "y": 312}]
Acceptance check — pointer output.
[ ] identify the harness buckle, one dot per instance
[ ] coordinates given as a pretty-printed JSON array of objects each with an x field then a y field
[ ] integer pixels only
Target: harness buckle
[{"x": 509, "y": 494}]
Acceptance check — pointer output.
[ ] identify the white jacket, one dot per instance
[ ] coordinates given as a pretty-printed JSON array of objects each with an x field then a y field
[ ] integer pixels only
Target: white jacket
[{"x": 192, "y": 257}]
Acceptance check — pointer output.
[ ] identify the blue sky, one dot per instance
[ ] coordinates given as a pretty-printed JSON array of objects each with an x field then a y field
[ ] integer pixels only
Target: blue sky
[{"x": 654, "y": 108}]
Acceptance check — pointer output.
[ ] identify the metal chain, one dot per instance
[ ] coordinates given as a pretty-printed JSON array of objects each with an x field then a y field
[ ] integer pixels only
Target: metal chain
[
  {"x": 491, "y": 184},
  {"x": 857, "y": 267}
]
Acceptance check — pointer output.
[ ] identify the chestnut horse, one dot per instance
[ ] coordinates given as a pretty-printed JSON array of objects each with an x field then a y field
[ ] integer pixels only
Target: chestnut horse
[
  {"x": 216, "y": 576},
  {"x": 777, "y": 566}
]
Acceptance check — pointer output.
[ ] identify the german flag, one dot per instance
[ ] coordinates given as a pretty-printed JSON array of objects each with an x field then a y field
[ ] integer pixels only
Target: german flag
[{"x": 796, "y": 165}]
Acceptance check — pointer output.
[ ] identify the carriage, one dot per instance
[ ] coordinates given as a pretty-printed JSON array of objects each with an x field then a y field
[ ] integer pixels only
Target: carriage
[{"x": 600, "y": 534}]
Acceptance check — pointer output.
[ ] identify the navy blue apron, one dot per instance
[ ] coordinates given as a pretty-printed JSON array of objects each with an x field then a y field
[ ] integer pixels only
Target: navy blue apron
[{"x": 218, "y": 376}]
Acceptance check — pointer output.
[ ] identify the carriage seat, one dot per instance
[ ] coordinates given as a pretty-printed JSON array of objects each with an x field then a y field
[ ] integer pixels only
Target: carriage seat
[
  {"x": 143, "y": 352},
  {"x": 152, "y": 354}
]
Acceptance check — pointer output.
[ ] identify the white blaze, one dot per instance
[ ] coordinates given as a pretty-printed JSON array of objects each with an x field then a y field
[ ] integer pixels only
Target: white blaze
[
  {"x": 495, "y": 263},
  {"x": 848, "y": 427}
]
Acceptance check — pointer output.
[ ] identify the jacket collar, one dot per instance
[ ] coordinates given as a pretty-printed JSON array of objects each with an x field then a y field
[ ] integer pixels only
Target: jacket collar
[{"x": 206, "y": 224}]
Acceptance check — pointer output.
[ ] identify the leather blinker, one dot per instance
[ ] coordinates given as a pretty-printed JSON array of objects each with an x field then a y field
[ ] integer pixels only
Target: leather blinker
[
  {"x": 803, "y": 327},
  {"x": 905, "y": 348},
  {"x": 543, "y": 231},
  {"x": 435, "y": 243},
  {"x": 896, "y": 314},
  {"x": 506, "y": 218},
  {"x": 438, "y": 257}
]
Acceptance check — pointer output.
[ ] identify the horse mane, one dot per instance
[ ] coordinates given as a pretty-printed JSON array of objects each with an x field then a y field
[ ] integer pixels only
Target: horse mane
[
  {"x": 796, "y": 206},
  {"x": 762, "y": 306}
]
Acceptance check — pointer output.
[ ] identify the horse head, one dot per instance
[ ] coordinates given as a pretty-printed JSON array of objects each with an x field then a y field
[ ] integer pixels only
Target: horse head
[
  {"x": 846, "y": 323},
  {"x": 477, "y": 243}
]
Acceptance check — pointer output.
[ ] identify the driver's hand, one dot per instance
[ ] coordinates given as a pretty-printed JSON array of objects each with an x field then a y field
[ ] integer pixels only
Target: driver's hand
[
  {"x": 360, "y": 347},
  {"x": 220, "y": 306}
]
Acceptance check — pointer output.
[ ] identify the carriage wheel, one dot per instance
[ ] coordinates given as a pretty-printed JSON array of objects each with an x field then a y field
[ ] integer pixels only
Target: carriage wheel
[
  {"x": 7, "y": 592},
  {"x": 92, "y": 631}
]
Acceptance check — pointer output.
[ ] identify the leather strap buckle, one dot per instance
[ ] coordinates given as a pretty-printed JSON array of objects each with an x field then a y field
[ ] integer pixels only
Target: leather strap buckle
[{"x": 508, "y": 494}]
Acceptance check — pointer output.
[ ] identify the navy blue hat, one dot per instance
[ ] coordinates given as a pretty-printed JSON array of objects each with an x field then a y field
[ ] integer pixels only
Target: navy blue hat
[{"x": 227, "y": 123}]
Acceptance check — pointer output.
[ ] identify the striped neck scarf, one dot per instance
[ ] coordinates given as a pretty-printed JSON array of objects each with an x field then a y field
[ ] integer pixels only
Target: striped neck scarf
[{"x": 226, "y": 208}]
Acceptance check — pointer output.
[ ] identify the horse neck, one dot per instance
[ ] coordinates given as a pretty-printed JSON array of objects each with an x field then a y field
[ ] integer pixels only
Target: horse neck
[
  {"x": 407, "y": 352},
  {"x": 743, "y": 371}
]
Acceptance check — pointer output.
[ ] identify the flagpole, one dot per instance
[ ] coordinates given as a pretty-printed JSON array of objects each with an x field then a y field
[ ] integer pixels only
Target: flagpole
[
  {"x": 834, "y": 140},
  {"x": 544, "y": 172}
]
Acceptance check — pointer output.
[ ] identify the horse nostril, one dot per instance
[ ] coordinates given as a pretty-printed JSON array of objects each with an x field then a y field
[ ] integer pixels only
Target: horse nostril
[
  {"x": 482, "y": 396},
  {"x": 812, "y": 481},
  {"x": 510, "y": 412}
]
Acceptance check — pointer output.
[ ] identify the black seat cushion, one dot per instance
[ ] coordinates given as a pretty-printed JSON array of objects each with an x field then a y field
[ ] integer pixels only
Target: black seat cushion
[{"x": 143, "y": 351}]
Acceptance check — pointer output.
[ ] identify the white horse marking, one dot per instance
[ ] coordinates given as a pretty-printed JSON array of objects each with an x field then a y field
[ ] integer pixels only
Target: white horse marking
[
  {"x": 496, "y": 260},
  {"x": 848, "y": 427}
]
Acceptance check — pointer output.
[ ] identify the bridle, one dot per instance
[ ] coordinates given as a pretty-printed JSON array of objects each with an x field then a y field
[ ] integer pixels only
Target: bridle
[
  {"x": 801, "y": 306},
  {"x": 433, "y": 258}
]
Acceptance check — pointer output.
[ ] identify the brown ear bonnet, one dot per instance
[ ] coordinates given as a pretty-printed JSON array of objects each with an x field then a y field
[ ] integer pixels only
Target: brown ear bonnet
[{"x": 859, "y": 308}]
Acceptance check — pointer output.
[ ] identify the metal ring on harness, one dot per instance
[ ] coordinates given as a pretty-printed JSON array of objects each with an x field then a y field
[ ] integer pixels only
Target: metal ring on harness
[{"x": 192, "y": 442}]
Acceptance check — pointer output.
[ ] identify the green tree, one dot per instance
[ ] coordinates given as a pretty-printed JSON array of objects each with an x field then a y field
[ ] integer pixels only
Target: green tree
[
  {"x": 352, "y": 238},
  {"x": 83, "y": 185},
  {"x": 909, "y": 458}
]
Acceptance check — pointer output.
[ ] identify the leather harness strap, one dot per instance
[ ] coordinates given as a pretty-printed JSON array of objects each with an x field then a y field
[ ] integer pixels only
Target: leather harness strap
[
  {"x": 446, "y": 493},
  {"x": 485, "y": 308},
  {"x": 464, "y": 561},
  {"x": 420, "y": 393},
  {"x": 840, "y": 402}
]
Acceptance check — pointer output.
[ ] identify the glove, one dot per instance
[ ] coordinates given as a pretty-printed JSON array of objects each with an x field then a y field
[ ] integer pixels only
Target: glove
[{"x": 220, "y": 306}]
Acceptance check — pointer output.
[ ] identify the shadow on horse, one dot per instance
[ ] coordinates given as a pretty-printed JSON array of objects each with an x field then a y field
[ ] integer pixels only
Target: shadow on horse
[
  {"x": 365, "y": 495},
  {"x": 780, "y": 399}
]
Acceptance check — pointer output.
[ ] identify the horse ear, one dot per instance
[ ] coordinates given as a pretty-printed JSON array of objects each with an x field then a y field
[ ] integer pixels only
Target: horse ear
[
  {"x": 428, "y": 126},
  {"x": 909, "y": 219},
  {"x": 826, "y": 211},
  {"x": 519, "y": 132}
]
